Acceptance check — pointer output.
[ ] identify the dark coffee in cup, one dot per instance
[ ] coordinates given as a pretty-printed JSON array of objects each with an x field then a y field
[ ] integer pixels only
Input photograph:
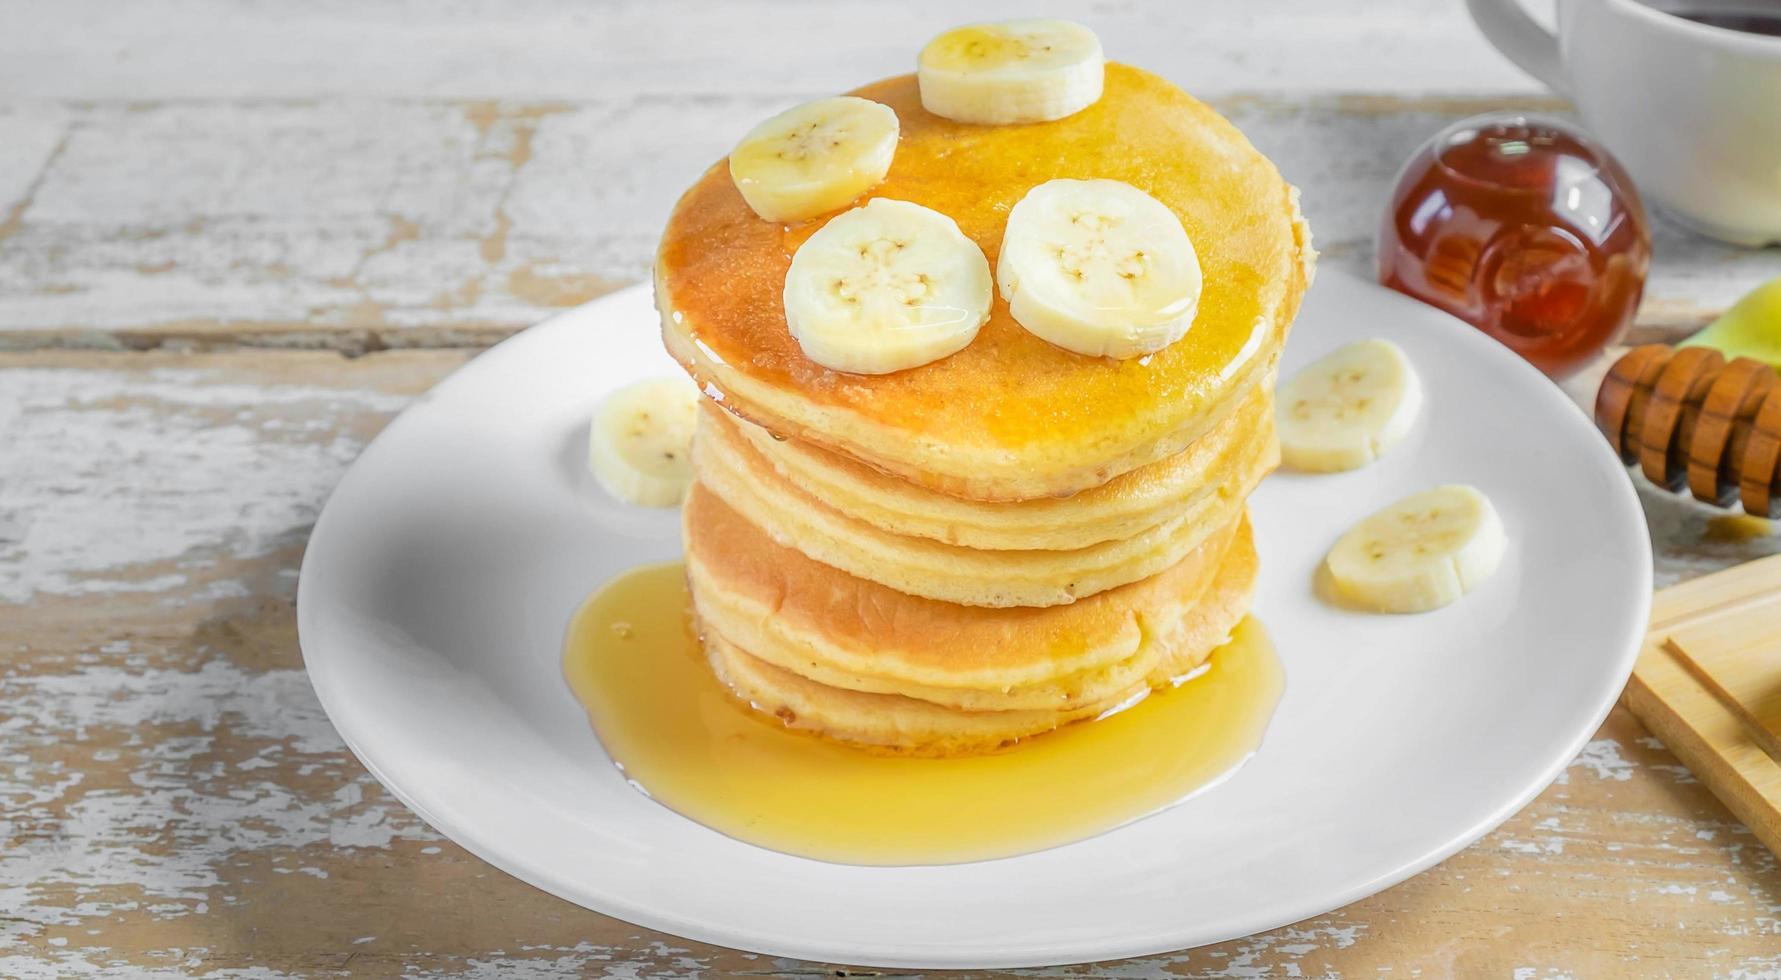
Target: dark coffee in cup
[
  {"x": 1756, "y": 23},
  {"x": 1748, "y": 16}
]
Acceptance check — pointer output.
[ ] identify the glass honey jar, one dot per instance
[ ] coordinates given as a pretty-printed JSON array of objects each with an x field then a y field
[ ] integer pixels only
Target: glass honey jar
[{"x": 1525, "y": 228}]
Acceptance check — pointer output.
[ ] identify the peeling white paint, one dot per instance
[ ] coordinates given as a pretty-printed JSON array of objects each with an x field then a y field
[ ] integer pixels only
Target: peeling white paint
[
  {"x": 1678, "y": 774},
  {"x": 1545, "y": 845},
  {"x": 31, "y": 133},
  {"x": 106, "y": 836},
  {"x": 93, "y": 965},
  {"x": 81, "y": 49},
  {"x": 111, "y": 471},
  {"x": 1601, "y": 758},
  {"x": 1254, "y": 954}
]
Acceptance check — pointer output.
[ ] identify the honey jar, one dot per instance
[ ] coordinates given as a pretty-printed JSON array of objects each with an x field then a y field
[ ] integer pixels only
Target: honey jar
[{"x": 1526, "y": 229}]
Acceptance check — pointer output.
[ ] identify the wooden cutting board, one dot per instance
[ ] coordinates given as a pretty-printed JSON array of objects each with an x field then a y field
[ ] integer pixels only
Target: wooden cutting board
[{"x": 1708, "y": 683}]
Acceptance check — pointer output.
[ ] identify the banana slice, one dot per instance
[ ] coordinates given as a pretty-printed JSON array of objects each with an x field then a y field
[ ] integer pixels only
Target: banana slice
[
  {"x": 1017, "y": 71},
  {"x": 640, "y": 441},
  {"x": 1348, "y": 408},
  {"x": 1420, "y": 553},
  {"x": 1098, "y": 267},
  {"x": 814, "y": 158},
  {"x": 884, "y": 287}
]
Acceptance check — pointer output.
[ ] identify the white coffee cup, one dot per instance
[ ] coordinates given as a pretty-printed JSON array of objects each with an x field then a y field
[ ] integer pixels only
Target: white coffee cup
[{"x": 1692, "y": 111}]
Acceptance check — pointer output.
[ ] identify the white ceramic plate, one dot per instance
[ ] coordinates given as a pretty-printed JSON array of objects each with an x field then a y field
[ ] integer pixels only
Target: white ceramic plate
[{"x": 441, "y": 575}]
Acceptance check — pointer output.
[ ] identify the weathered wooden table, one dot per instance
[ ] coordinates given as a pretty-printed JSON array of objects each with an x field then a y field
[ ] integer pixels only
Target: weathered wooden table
[{"x": 235, "y": 239}]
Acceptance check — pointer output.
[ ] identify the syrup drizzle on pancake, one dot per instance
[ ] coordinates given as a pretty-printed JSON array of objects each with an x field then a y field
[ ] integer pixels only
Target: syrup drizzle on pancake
[{"x": 677, "y": 734}]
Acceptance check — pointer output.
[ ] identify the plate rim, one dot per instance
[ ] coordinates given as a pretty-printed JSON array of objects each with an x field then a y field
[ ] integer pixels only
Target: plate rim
[{"x": 1624, "y": 501}]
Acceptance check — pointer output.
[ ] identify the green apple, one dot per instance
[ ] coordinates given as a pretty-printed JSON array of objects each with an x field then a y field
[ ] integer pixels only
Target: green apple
[{"x": 1751, "y": 328}]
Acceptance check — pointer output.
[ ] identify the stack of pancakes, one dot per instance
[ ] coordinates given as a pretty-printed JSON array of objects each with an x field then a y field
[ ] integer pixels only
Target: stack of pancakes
[{"x": 989, "y": 546}]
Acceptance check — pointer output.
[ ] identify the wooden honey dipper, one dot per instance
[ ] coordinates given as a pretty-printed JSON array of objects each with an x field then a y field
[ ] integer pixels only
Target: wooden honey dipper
[{"x": 1688, "y": 417}]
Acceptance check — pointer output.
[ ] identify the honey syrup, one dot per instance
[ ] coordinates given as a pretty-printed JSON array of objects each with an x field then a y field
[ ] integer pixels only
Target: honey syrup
[
  {"x": 681, "y": 737},
  {"x": 1737, "y": 527}
]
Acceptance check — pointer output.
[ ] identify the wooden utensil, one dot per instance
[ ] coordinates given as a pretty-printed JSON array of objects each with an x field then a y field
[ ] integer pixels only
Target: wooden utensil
[{"x": 1687, "y": 417}]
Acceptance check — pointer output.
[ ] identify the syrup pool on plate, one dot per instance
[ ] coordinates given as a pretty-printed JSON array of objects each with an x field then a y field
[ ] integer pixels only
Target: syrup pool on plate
[{"x": 632, "y": 660}]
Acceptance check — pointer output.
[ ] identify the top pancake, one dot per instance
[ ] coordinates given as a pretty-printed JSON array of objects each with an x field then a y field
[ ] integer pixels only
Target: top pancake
[{"x": 1010, "y": 416}]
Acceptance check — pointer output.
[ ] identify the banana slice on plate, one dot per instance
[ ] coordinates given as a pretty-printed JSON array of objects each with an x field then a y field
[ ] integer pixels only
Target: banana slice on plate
[
  {"x": 1017, "y": 71},
  {"x": 1348, "y": 408},
  {"x": 640, "y": 441},
  {"x": 1420, "y": 553},
  {"x": 884, "y": 287},
  {"x": 815, "y": 158},
  {"x": 1098, "y": 267}
]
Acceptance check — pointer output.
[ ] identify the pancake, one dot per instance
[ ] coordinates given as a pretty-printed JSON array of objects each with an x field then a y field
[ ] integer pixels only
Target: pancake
[
  {"x": 1126, "y": 505},
  {"x": 1009, "y": 417},
  {"x": 844, "y": 631},
  {"x": 903, "y": 724},
  {"x": 792, "y": 516}
]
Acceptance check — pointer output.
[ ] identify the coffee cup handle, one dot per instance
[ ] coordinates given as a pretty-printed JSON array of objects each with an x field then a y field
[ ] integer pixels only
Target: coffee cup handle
[{"x": 1516, "y": 34}]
